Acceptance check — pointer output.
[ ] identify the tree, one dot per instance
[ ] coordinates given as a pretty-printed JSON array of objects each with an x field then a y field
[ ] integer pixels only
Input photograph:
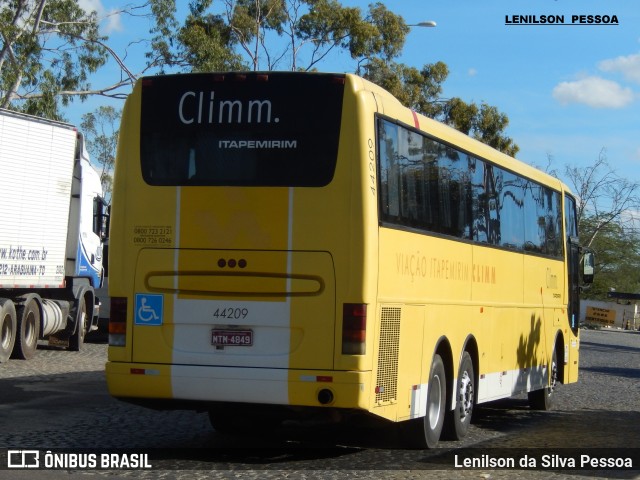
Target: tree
[
  {"x": 299, "y": 34},
  {"x": 49, "y": 49},
  {"x": 606, "y": 206},
  {"x": 101, "y": 132},
  {"x": 484, "y": 123},
  {"x": 604, "y": 197},
  {"x": 271, "y": 34},
  {"x": 419, "y": 90},
  {"x": 617, "y": 257}
]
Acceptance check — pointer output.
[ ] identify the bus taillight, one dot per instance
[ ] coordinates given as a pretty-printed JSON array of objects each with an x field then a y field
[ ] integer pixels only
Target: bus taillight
[
  {"x": 118, "y": 322},
  {"x": 354, "y": 328}
]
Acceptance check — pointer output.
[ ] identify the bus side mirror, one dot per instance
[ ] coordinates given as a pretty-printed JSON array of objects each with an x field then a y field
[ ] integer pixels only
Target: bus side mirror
[{"x": 588, "y": 266}]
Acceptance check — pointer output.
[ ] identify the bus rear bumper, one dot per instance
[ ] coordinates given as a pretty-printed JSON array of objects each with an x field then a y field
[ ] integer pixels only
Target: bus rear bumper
[{"x": 203, "y": 384}]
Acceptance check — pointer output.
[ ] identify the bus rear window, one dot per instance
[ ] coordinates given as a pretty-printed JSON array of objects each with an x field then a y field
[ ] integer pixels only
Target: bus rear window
[{"x": 254, "y": 129}]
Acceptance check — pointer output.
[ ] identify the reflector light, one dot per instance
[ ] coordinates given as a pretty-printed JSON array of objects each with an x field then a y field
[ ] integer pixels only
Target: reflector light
[
  {"x": 354, "y": 328},
  {"x": 117, "y": 327},
  {"x": 118, "y": 321},
  {"x": 262, "y": 78},
  {"x": 325, "y": 379},
  {"x": 144, "y": 371}
]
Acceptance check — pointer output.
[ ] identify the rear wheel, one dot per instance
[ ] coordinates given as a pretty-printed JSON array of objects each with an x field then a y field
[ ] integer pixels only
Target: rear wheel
[
  {"x": 458, "y": 420},
  {"x": 425, "y": 432},
  {"x": 8, "y": 327},
  {"x": 77, "y": 339},
  {"x": 543, "y": 399},
  {"x": 28, "y": 330}
]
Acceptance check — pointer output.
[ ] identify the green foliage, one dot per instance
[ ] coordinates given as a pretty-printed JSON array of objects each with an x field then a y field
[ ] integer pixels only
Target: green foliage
[
  {"x": 206, "y": 42},
  {"x": 308, "y": 31},
  {"x": 419, "y": 90},
  {"x": 49, "y": 49},
  {"x": 101, "y": 134},
  {"x": 606, "y": 206},
  {"x": 328, "y": 25},
  {"x": 617, "y": 258},
  {"x": 488, "y": 126}
]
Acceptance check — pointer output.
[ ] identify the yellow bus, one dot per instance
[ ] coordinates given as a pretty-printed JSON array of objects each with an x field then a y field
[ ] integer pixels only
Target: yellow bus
[{"x": 291, "y": 244}]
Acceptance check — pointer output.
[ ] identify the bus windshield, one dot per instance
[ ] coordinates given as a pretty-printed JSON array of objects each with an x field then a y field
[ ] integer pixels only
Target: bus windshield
[{"x": 240, "y": 130}]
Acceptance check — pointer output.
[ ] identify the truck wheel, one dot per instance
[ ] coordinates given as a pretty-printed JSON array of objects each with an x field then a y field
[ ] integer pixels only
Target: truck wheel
[
  {"x": 8, "y": 327},
  {"x": 77, "y": 339},
  {"x": 28, "y": 315}
]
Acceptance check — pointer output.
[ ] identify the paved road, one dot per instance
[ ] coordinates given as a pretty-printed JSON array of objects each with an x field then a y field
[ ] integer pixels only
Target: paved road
[{"x": 45, "y": 404}]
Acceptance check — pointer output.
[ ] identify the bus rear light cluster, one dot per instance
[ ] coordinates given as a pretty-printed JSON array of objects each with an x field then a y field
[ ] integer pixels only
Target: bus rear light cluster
[
  {"x": 118, "y": 322},
  {"x": 354, "y": 328}
]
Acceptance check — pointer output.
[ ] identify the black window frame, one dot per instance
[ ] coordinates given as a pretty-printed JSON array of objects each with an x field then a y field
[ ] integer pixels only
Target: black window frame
[{"x": 288, "y": 147}]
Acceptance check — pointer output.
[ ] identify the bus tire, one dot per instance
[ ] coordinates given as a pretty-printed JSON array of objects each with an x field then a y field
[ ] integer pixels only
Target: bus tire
[
  {"x": 8, "y": 328},
  {"x": 28, "y": 331},
  {"x": 425, "y": 432},
  {"x": 76, "y": 341},
  {"x": 543, "y": 399},
  {"x": 457, "y": 421}
]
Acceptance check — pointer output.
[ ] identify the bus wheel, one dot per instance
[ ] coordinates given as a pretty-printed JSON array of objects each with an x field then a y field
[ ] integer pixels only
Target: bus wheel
[
  {"x": 8, "y": 327},
  {"x": 425, "y": 432},
  {"x": 77, "y": 339},
  {"x": 458, "y": 420},
  {"x": 28, "y": 315},
  {"x": 543, "y": 399}
]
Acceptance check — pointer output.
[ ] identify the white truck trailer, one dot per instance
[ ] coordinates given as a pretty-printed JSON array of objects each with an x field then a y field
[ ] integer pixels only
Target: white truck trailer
[{"x": 52, "y": 224}]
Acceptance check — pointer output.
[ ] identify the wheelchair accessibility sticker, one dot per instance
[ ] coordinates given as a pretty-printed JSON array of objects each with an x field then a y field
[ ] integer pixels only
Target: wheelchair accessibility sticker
[{"x": 149, "y": 309}]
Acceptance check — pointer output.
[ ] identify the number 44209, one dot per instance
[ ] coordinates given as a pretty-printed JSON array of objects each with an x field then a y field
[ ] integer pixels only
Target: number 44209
[{"x": 231, "y": 313}]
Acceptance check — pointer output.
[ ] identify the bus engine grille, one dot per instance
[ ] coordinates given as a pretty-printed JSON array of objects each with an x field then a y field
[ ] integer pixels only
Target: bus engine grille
[{"x": 387, "y": 377}]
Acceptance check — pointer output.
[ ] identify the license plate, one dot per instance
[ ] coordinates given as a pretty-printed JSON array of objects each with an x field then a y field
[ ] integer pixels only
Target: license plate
[{"x": 232, "y": 338}]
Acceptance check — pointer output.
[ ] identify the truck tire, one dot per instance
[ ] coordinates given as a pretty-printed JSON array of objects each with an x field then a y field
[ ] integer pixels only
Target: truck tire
[
  {"x": 8, "y": 327},
  {"x": 76, "y": 341},
  {"x": 28, "y": 330}
]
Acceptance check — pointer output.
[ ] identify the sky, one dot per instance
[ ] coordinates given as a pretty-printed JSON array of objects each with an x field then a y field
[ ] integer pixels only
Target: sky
[{"x": 571, "y": 90}]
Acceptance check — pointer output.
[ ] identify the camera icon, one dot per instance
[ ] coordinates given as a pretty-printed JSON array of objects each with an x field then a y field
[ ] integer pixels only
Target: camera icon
[{"x": 23, "y": 458}]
